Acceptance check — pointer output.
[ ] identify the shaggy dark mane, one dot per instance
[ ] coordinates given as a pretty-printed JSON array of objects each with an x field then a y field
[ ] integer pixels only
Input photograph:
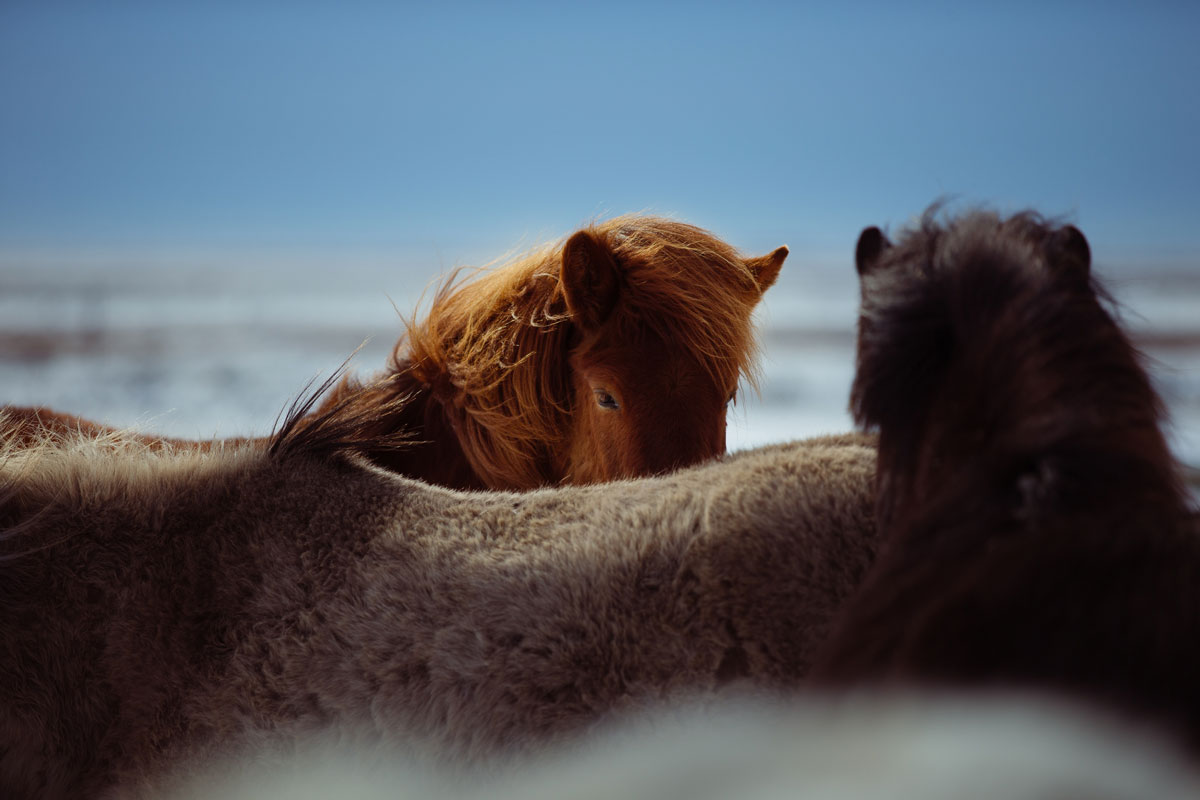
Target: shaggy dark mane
[
  {"x": 997, "y": 308},
  {"x": 1034, "y": 530}
]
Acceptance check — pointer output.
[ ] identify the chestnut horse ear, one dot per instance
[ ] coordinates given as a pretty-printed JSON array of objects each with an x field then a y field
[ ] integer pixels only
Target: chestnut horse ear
[
  {"x": 590, "y": 279},
  {"x": 871, "y": 244},
  {"x": 1068, "y": 250},
  {"x": 765, "y": 269}
]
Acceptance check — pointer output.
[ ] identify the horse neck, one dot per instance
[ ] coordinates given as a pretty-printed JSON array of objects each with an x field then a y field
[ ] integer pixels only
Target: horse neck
[
  {"x": 413, "y": 408},
  {"x": 497, "y": 391},
  {"x": 466, "y": 449}
]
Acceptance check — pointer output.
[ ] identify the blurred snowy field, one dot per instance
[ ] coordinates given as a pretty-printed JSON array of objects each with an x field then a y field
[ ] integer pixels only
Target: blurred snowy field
[{"x": 209, "y": 351}]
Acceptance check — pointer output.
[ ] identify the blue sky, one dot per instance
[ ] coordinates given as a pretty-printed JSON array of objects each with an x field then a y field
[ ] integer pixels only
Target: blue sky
[{"x": 405, "y": 127}]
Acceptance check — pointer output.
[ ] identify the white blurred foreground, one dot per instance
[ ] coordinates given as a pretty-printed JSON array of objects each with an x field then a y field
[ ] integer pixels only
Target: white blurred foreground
[{"x": 857, "y": 748}]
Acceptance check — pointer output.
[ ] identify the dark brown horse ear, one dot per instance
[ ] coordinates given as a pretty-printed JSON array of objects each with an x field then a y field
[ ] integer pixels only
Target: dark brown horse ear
[
  {"x": 1068, "y": 251},
  {"x": 590, "y": 278},
  {"x": 871, "y": 244},
  {"x": 765, "y": 269}
]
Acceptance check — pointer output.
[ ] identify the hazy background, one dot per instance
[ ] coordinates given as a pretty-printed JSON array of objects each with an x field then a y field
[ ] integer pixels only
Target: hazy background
[{"x": 202, "y": 205}]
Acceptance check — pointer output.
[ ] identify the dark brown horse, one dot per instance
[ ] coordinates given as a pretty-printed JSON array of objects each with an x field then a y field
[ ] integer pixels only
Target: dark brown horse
[
  {"x": 613, "y": 354},
  {"x": 1034, "y": 529}
]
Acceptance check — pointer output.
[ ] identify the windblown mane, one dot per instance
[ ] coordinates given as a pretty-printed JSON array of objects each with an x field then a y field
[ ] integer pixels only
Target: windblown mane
[
  {"x": 1034, "y": 528},
  {"x": 342, "y": 425},
  {"x": 498, "y": 386},
  {"x": 492, "y": 350},
  {"x": 1050, "y": 369}
]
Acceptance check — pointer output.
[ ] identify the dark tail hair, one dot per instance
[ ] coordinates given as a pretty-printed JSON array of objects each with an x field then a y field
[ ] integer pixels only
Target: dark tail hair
[{"x": 343, "y": 426}]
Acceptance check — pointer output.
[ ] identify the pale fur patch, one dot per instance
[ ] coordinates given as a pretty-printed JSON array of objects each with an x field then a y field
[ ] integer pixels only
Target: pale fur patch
[{"x": 855, "y": 747}]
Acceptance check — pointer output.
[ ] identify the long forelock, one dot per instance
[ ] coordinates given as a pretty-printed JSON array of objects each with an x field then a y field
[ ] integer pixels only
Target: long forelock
[
  {"x": 489, "y": 350},
  {"x": 689, "y": 288},
  {"x": 492, "y": 347}
]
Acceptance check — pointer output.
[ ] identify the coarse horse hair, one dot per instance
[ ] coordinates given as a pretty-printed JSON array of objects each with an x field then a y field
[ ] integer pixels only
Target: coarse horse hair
[
  {"x": 1033, "y": 525},
  {"x": 164, "y": 605}
]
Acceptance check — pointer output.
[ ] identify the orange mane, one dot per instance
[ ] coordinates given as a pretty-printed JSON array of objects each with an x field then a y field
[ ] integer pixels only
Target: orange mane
[
  {"x": 491, "y": 350},
  {"x": 486, "y": 391}
]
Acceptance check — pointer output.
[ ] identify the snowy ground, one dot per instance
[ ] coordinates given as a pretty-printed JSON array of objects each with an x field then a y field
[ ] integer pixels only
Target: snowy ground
[{"x": 218, "y": 352}]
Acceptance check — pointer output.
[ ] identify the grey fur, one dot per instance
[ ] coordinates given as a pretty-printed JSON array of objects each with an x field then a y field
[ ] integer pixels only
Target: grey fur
[{"x": 158, "y": 608}]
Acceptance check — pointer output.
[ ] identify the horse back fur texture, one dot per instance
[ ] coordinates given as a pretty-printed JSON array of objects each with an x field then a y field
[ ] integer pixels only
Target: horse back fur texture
[{"x": 161, "y": 605}]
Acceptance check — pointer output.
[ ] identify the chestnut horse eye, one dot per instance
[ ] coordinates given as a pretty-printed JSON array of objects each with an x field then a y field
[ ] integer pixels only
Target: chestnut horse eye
[
  {"x": 731, "y": 399},
  {"x": 605, "y": 400}
]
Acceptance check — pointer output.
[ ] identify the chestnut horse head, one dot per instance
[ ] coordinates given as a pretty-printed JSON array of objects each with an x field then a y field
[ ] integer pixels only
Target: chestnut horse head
[{"x": 611, "y": 355}]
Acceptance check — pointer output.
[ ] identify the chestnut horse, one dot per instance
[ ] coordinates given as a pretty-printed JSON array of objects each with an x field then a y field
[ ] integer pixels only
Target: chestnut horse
[
  {"x": 611, "y": 355},
  {"x": 1034, "y": 531}
]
